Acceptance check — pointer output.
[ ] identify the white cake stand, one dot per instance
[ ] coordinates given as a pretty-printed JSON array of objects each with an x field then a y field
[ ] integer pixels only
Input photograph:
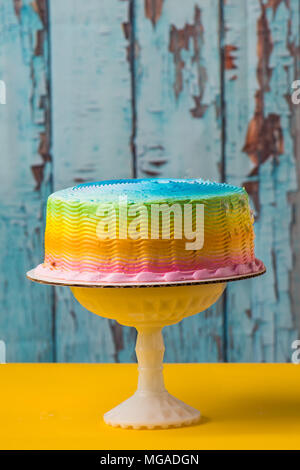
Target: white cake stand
[{"x": 148, "y": 308}]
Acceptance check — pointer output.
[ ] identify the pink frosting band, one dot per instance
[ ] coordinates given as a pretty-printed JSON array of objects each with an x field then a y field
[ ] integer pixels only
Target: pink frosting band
[{"x": 54, "y": 274}]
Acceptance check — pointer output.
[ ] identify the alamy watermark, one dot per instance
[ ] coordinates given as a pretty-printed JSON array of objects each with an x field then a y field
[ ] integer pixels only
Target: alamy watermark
[
  {"x": 296, "y": 93},
  {"x": 2, "y": 352},
  {"x": 2, "y": 92},
  {"x": 154, "y": 221},
  {"x": 296, "y": 353}
]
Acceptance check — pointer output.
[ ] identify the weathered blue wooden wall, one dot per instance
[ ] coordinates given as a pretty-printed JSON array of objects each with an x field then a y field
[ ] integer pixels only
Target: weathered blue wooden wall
[
  {"x": 134, "y": 88},
  {"x": 261, "y": 153},
  {"x": 26, "y": 311}
]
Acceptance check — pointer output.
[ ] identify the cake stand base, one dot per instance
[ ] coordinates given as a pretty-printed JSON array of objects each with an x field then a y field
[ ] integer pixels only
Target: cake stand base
[{"x": 151, "y": 410}]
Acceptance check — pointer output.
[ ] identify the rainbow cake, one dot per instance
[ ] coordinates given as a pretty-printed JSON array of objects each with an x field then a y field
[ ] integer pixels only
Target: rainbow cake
[{"x": 148, "y": 231}]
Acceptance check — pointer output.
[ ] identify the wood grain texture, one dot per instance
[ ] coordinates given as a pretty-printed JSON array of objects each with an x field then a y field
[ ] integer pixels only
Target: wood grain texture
[
  {"x": 261, "y": 48},
  {"x": 91, "y": 126},
  {"x": 178, "y": 126},
  {"x": 25, "y": 308}
]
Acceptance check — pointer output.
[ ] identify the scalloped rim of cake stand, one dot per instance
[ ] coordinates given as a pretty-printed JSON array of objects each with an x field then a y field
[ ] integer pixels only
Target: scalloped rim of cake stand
[{"x": 59, "y": 282}]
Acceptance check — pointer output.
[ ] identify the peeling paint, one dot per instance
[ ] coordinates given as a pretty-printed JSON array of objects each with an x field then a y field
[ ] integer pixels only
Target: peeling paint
[
  {"x": 180, "y": 39},
  {"x": 17, "y": 7},
  {"x": 44, "y": 147},
  {"x": 248, "y": 312},
  {"x": 199, "y": 110},
  {"x": 153, "y": 10},
  {"x": 39, "y": 46},
  {"x": 44, "y": 152},
  {"x": 39, "y": 101},
  {"x": 38, "y": 173},
  {"x": 152, "y": 173},
  {"x": 38, "y": 170},
  {"x": 274, "y": 4},
  {"x": 126, "y": 27},
  {"x": 40, "y": 7},
  {"x": 158, "y": 162},
  {"x": 229, "y": 56},
  {"x": 264, "y": 137}
]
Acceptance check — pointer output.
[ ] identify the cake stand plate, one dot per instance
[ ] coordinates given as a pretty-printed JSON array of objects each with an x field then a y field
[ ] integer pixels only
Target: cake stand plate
[
  {"x": 148, "y": 309},
  {"x": 75, "y": 283}
]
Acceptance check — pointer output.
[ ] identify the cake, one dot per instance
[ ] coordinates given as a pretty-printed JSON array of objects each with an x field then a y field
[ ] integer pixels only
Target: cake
[{"x": 148, "y": 231}]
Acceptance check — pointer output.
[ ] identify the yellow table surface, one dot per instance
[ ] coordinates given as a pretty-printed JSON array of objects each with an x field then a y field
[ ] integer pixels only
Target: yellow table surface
[{"x": 60, "y": 406}]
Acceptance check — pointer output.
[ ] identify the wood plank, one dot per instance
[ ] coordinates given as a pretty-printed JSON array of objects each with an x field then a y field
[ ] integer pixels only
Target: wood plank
[
  {"x": 261, "y": 44},
  {"x": 26, "y": 308},
  {"x": 294, "y": 197},
  {"x": 178, "y": 128},
  {"x": 91, "y": 119}
]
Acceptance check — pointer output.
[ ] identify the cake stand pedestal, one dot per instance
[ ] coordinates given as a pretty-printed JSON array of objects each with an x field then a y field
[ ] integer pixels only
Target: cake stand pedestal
[
  {"x": 151, "y": 405},
  {"x": 148, "y": 308}
]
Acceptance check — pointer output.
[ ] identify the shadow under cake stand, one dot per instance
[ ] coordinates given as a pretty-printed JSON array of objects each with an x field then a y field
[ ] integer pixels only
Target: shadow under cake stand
[{"x": 148, "y": 307}]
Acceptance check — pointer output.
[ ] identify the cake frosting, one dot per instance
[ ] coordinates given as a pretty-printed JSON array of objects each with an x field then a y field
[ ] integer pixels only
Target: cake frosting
[{"x": 115, "y": 232}]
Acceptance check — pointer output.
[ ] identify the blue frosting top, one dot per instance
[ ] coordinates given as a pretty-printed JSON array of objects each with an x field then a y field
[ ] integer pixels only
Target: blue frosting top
[{"x": 148, "y": 189}]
